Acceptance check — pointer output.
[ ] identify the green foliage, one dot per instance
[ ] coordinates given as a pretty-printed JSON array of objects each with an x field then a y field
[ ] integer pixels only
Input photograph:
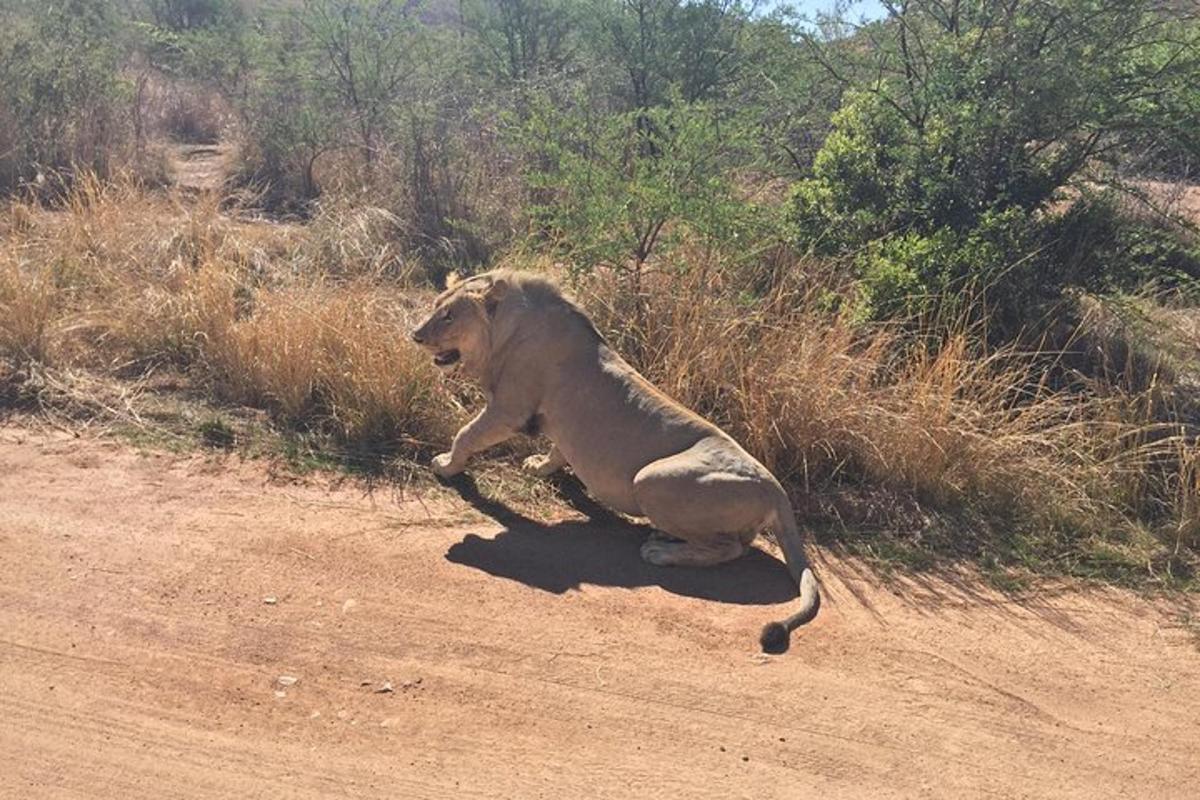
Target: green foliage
[
  {"x": 451, "y": 191},
  {"x": 218, "y": 54},
  {"x": 1020, "y": 263},
  {"x": 1105, "y": 249},
  {"x": 523, "y": 40},
  {"x": 940, "y": 167},
  {"x": 362, "y": 52},
  {"x": 190, "y": 15},
  {"x": 943, "y": 272},
  {"x": 933, "y": 149},
  {"x": 288, "y": 117},
  {"x": 663, "y": 48},
  {"x": 785, "y": 95},
  {"x": 860, "y": 179},
  {"x": 61, "y": 94},
  {"x": 618, "y": 188}
]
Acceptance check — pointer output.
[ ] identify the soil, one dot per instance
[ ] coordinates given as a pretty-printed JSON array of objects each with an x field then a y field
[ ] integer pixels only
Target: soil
[
  {"x": 199, "y": 167},
  {"x": 200, "y": 626}
]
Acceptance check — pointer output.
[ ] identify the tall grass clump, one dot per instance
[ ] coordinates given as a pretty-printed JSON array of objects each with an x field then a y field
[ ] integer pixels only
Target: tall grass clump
[
  {"x": 29, "y": 308},
  {"x": 1187, "y": 502},
  {"x": 333, "y": 359},
  {"x": 303, "y": 323}
]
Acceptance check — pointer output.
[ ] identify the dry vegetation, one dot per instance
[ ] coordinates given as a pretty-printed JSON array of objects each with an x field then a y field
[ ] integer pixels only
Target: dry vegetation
[
  {"x": 125, "y": 281},
  {"x": 820, "y": 398},
  {"x": 308, "y": 323}
]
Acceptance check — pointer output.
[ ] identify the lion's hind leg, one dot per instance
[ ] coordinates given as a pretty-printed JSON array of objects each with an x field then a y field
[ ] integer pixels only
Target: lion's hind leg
[
  {"x": 663, "y": 552},
  {"x": 712, "y": 513}
]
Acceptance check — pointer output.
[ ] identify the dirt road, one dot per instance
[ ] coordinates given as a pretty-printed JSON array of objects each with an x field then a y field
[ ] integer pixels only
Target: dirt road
[{"x": 151, "y": 604}]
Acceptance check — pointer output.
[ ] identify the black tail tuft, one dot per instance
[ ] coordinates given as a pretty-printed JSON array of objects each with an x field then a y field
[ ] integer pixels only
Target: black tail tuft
[{"x": 775, "y": 638}]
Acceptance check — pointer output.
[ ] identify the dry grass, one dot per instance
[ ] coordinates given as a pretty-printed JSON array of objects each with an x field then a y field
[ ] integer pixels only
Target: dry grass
[
  {"x": 822, "y": 400},
  {"x": 126, "y": 280},
  {"x": 1187, "y": 498},
  {"x": 333, "y": 357},
  {"x": 28, "y": 311},
  {"x": 309, "y": 323}
]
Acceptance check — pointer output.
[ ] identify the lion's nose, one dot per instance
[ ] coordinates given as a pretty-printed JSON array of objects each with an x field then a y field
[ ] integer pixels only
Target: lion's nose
[{"x": 416, "y": 337}]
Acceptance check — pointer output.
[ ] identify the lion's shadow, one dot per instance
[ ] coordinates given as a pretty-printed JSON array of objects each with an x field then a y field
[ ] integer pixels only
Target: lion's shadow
[{"x": 604, "y": 551}]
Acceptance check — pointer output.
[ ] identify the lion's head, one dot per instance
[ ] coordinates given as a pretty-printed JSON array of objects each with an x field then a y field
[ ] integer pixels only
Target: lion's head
[{"x": 459, "y": 330}]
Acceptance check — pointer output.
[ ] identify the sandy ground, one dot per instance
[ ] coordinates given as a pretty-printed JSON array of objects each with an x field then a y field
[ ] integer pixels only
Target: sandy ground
[{"x": 140, "y": 657}]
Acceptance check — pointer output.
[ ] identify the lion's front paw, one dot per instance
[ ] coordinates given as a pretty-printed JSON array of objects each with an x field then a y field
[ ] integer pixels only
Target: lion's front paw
[{"x": 443, "y": 466}]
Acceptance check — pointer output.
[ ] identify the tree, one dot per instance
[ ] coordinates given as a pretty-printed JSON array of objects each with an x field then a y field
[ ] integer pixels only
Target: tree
[
  {"x": 960, "y": 108},
  {"x": 523, "y": 39},
  {"x": 60, "y": 82},
  {"x": 288, "y": 114},
  {"x": 961, "y": 124},
  {"x": 611, "y": 199},
  {"x": 364, "y": 51},
  {"x": 663, "y": 46},
  {"x": 190, "y": 15}
]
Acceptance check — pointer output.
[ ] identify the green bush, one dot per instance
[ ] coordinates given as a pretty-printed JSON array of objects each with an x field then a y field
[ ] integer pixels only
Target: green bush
[
  {"x": 63, "y": 102},
  {"x": 1001, "y": 261},
  {"x": 1105, "y": 248},
  {"x": 619, "y": 189},
  {"x": 287, "y": 118},
  {"x": 1019, "y": 264},
  {"x": 940, "y": 173}
]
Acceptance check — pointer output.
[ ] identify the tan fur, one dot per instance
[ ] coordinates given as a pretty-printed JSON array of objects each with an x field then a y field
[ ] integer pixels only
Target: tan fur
[{"x": 543, "y": 365}]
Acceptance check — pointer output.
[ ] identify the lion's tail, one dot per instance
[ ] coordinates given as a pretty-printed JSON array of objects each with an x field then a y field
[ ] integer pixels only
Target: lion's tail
[{"x": 776, "y": 636}]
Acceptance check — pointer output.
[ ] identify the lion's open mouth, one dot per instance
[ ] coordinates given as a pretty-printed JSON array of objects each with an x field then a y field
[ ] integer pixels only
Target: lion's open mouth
[{"x": 447, "y": 358}]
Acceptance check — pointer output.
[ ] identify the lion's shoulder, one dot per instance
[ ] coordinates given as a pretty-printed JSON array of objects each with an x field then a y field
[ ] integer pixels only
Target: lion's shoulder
[{"x": 541, "y": 296}]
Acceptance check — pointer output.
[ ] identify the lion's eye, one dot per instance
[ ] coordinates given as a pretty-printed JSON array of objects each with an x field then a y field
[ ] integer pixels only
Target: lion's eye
[{"x": 449, "y": 315}]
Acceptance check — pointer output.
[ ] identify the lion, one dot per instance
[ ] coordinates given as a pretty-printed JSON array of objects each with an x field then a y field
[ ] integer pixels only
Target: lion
[{"x": 544, "y": 368}]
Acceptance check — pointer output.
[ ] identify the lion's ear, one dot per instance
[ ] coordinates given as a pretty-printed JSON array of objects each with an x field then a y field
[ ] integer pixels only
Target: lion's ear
[{"x": 494, "y": 294}]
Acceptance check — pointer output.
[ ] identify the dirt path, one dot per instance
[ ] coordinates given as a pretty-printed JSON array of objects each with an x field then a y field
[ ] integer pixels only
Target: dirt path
[
  {"x": 139, "y": 657},
  {"x": 199, "y": 167}
]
